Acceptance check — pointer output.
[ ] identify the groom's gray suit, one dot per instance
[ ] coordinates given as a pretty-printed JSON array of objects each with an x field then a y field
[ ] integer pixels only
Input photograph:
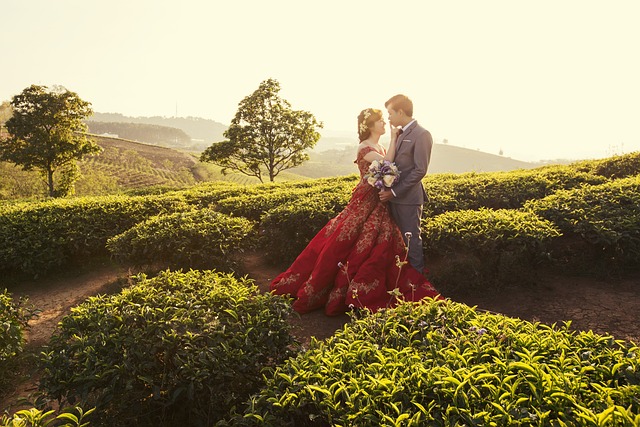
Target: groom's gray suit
[{"x": 413, "y": 153}]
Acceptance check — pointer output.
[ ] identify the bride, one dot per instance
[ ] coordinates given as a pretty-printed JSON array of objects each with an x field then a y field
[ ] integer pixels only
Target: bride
[{"x": 358, "y": 260}]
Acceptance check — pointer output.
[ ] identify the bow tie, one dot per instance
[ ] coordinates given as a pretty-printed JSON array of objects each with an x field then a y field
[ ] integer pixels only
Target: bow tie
[{"x": 400, "y": 131}]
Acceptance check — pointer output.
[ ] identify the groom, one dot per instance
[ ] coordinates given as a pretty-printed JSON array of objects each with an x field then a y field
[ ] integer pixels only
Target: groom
[{"x": 406, "y": 197}]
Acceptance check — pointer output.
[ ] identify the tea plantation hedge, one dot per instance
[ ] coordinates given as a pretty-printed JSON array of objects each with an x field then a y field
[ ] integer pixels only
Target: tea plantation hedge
[
  {"x": 254, "y": 206},
  {"x": 14, "y": 315},
  {"x": 499, "y": 190},
  {"x": 176, "y": 349},
  {"x": 622, "y": 166},
  {"x": 485, "y": 246},
  {"x": 203, "y": 238},
  {"x": 441, "y": 363},
  {"x": 36, "y": 238},
  {"x": 606, "y": 218},
  {"x": 34, "y": 417}
]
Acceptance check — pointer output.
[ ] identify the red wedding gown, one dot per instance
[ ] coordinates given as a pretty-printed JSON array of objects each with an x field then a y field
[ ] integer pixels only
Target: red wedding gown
[{"x": 353, "y": 260}]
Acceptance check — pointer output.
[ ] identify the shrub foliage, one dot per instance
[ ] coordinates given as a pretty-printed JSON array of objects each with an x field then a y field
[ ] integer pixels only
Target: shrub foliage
[
  {"x": 605, "y": 217},
  {"x": 36, "y": 238},
  {"x": 486, "y": 246},
  {"x": 177, "y": 349},
  {"x": 34, "y": 417},
  {"x": 14, "y": 315},
  {"x": 499, "y": 190},
  {"x": 202, "y": 239},
  {"x": 441, "y": 363}
]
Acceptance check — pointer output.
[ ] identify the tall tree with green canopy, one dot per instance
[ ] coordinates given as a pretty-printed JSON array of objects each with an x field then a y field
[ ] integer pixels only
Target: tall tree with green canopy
[
  {"x": 266, "y": 136},
  {"x": 47, "y": 132}
]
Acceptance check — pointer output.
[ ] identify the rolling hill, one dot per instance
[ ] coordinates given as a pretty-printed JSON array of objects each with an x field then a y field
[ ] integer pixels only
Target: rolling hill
[
  {"x": 333, "y": 155},
  {"x": 201, "y": 132},
  {"x": 135, "y": 164},
  {"x": 444, "y": 159}
]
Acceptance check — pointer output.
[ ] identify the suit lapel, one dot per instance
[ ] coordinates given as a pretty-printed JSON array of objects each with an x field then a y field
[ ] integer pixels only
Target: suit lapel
[{"x": 405, "y": 135}]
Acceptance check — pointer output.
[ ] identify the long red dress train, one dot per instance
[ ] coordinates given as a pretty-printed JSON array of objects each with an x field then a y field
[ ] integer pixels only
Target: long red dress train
[{"x": 356, "y": 260}]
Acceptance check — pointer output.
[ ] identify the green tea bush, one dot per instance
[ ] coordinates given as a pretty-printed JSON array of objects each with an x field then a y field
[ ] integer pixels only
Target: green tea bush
[
  {"x": 36, "y": 238},
  {"x": 38, "y": 418},
  {"x": 179, "y": 349},
  {"x": 203, "y": 239},
  {"x": 499, "y": 190},
  {"x": 254, "y": 206},
  {"x": 605, "y": 218},
  {"x": 209, "y": 193},
  {"x": 441, "y": 363},
  {"x": 486, "y": 247},
  {"x": 622, "y": 166},
  {"x": 286, "y": 230},
  {"x": 14, "y": 316}
]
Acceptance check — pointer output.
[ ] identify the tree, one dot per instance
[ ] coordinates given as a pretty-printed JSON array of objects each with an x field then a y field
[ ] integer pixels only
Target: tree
[
  {"x": 266, "y": 136},
  {"x": 47, "y": 132},
  {"x": 5, "y": 112}
]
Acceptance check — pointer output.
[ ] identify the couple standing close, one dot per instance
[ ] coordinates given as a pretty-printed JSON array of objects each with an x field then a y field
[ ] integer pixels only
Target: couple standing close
[{"x": 370, "y": 255}]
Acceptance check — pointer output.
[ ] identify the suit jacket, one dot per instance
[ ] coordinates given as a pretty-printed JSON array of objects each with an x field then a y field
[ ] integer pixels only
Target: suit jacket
[{"x": 413, "y": 153}]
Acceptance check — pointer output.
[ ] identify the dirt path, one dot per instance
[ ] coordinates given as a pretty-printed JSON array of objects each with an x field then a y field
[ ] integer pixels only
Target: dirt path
[
  {"x": 604, "y": 306},
  {"x": 608, "y": 307}
]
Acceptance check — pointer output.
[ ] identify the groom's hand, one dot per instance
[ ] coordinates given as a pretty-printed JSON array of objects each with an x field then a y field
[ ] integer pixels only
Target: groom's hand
[{"x": 385, "y": 196}]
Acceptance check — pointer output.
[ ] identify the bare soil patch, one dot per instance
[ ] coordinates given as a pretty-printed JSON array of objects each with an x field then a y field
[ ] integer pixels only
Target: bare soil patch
[{"x": 606, "y": 306}]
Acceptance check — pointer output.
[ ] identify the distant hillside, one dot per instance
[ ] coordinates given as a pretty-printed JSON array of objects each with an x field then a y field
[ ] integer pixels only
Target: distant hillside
[
  {"x": 444, "y": 158},
  {"x": 136, "y": 165},
  {"x": 333, "y": 155},
  {"x": 203, "y": 132},
  {"x": 163, "y": 136},
  {"x": 452, "y": 159}
]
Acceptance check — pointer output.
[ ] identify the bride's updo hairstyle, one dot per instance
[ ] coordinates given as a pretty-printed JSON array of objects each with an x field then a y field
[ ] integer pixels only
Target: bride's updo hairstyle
[{"x": 366, "y": 119}]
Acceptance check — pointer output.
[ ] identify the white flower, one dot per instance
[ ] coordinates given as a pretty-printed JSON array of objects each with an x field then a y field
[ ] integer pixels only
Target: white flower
[
  {"x": 371, "y": 180},
  {"x": 388, "y": 180}
]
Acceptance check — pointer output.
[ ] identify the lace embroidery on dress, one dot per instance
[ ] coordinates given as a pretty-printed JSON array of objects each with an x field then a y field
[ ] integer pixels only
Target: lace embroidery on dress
[{"x": 288, "y": 280}]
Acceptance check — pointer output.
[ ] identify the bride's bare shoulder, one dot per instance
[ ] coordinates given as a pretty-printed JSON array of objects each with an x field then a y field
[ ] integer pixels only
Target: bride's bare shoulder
[{"x": 363, "y": 145}]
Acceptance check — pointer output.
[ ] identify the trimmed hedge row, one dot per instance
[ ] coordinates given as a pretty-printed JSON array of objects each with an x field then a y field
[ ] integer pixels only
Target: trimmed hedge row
[
  {"x": 37, "y": 238},
  {"x": 256, "y": 205},
  {"x": 606, "y": 218},
  {"x": 208, "y": 194},
  {"x": 176, "y": 349},
  {"x": 622, "y": 166},
  {"x": 499, "y": 190},
  {"x": 486, "y": 231},
  {"x": 200, "y": 239},
  {"x": 441, "y": 363},
  {"x": 486, "y": 246}
]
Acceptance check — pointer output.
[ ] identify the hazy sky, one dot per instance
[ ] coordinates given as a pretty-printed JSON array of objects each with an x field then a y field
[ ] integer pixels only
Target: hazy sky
[{"x": 540, "y": 79}]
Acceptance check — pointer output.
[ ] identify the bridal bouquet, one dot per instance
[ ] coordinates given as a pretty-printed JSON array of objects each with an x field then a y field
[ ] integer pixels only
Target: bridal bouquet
[{"x": 382, "y": 174}]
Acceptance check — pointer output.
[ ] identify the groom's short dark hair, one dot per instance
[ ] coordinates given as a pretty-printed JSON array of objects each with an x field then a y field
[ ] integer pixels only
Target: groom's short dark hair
[{"x": 400, "y": 102}]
